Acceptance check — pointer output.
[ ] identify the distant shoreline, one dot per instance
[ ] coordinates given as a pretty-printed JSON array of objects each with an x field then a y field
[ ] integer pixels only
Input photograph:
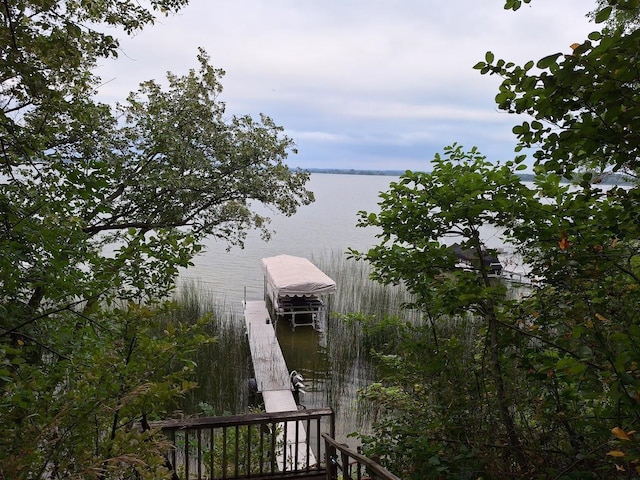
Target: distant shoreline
[
  {"x": 608, "y": 179},
  {"x": 352, "y": 171}
]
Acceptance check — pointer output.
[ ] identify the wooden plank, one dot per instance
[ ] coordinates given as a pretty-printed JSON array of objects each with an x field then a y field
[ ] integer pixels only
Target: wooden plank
[
  {"x": 268, "y": 360},
  {"x": 242, "y": 419},
  {"x": 272, "y": 378},
  {"x": 279, "y": 401}
]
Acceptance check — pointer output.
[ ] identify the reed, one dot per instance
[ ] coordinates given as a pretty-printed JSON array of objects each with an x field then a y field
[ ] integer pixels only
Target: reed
[
  {"x": 349, "y": 343},
  {"x": 224, "y": 367},
  {"x": 357, "y": 292}
]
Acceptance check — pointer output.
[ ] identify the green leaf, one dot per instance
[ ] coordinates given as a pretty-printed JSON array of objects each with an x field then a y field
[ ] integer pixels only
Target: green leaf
[
  {"x": 595, "y": 36},
  {"x": 604, "y": 14},
  {"x": 548, "y": 61}
]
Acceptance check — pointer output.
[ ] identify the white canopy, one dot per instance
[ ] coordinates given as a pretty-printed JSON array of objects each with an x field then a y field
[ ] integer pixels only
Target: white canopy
[{"x": 286, "y": 275}]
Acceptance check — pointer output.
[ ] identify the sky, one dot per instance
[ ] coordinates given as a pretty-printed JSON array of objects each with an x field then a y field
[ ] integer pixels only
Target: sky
[{"x": 357, "y": 84}]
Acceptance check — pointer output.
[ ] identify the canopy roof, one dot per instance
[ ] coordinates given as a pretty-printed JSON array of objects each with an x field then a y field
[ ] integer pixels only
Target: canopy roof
[{"x": 286, "y": 275}]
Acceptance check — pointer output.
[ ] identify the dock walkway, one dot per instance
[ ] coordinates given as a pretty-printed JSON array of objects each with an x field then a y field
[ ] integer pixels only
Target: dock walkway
[{"x": 272, "y": 378}]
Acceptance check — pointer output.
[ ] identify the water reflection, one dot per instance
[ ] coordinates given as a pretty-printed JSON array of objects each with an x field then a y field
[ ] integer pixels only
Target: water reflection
[{"x": 334, "y": 369}]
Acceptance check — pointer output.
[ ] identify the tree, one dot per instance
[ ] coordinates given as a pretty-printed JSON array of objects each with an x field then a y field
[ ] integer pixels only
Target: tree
[
  {"x": 583, "y": 103},
  {"x": 574, "y": 341},
  {"x": 420, "y": 216},
  {"x": 585, "y": 251},
  {"x": 624, "y": 15},
  {"x": 585, "y": 107},
  {"x": 100, "y": 205}
]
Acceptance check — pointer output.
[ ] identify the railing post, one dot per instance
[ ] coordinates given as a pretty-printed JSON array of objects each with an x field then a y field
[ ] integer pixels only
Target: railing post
[
  {"x": 199, "y": 432},
  {"x": 224, "y": 452},
  {"x": 212, "y": 445},
  {"x": 186, "y": 453},
  {"x": 296, "y": 447},
  {"x": 274, "y": 427},
  {"x": 247, "y": 469},
  {"x": 261, "y": 457},
  {"x": 330, "y": 452},
  {"x": 346, "y": 469},
  {"x": 236, "y": 468}
]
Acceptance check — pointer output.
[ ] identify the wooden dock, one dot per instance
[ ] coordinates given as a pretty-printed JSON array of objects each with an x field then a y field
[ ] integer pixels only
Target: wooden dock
[{"x": 272, "y": 379}]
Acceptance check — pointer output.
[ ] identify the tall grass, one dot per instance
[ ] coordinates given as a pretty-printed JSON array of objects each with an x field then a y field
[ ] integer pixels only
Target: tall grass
[
  {"x": 357, "y": 292},
  {"x": 348, "y": 344},
  {"x": 224, "y": 367}
]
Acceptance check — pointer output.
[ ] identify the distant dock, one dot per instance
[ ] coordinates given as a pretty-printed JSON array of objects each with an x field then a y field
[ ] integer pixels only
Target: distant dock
[{"x": 272, "y": 379}]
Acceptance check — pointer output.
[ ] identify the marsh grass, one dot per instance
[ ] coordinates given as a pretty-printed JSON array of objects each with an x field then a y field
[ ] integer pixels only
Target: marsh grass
[
  {"x": 344, "y": 363},
  {"x": 377, "y": 303},
  {"x": 369, "y": 300},
  {"x": 358, "y": 300},
  {"x": 357, "y": 292},
  {"x": 223, "y": 367}
]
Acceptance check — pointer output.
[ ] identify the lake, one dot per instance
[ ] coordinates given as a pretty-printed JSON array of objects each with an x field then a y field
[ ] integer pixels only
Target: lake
[{"x": 326, "y": 226}]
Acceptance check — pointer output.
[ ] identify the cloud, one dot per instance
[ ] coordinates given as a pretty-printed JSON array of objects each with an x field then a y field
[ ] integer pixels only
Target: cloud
[
  {"x": 346, "y": 78},
  {"x": 417, "y": 111},
  {"x": 321, "y": 137}
]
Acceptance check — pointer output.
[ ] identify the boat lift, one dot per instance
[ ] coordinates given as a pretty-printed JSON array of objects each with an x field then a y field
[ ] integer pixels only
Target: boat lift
[{"x": 293, "y": 290}]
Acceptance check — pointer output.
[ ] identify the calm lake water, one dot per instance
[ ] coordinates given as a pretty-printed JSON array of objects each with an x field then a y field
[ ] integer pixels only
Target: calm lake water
[{"x": 326, "y": 226}]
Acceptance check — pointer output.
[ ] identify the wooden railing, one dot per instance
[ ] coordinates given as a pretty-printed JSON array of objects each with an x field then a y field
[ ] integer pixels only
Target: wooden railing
[
  {"x": 344, "y": 463},
  {"x": 261, "y": 445}
]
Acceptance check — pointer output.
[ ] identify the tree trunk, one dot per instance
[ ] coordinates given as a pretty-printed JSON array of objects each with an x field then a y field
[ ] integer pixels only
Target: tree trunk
[{"x": 515, "y": 446}]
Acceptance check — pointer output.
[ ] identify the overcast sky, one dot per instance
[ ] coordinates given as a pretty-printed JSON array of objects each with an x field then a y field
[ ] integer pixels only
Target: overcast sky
[{"x": 363, "y": 84}]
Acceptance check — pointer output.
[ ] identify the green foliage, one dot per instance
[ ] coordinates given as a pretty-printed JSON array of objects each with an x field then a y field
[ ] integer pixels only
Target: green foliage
[
  {"x": 100, "y": 206},
  {"x": 584, "y": 242},
  {"x": 77, "y": 411},
  {"x": 514, "y": 4},
  {"x": 586, "y": 249},
  {"x": 584, "y": 103},
  {"x": 556, "y": 373},
  {"x": 621, "y": 14},
  {"x": 433, "y": 417},
  {"x": 420, "y": 216},
  {"x": 422, "y": 211}
]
